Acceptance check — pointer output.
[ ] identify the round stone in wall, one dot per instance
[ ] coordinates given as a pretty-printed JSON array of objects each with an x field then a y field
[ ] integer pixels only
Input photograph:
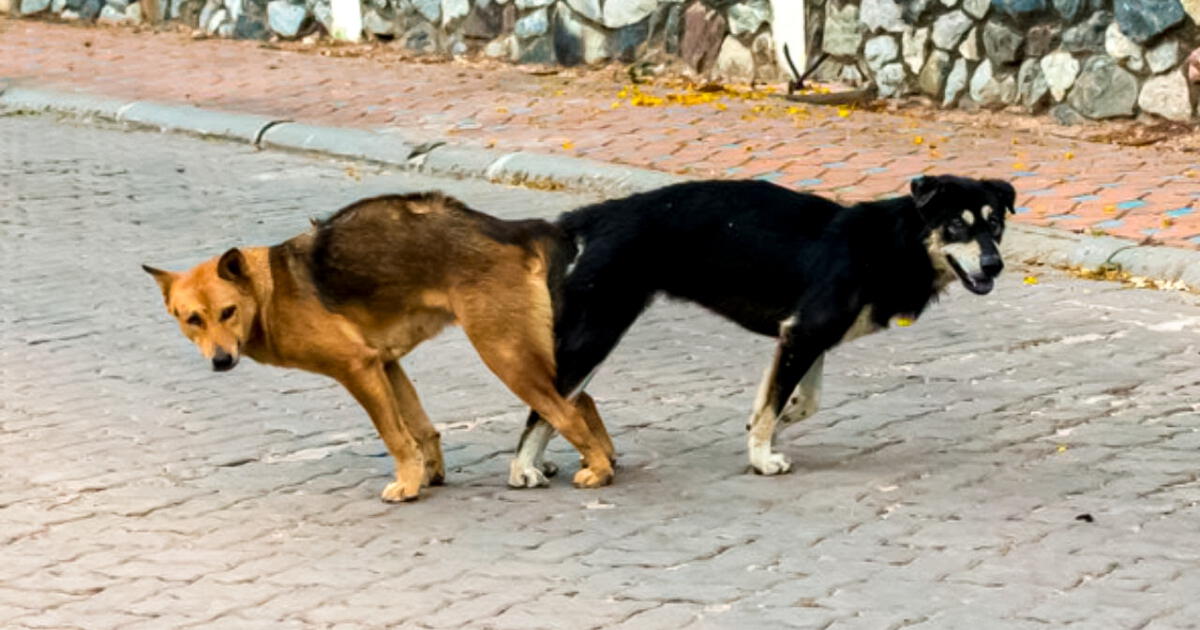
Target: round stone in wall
[
  {"x": 735, "y": 61},
  {"x": 933, "y": 76},
  {"x": 882, "y": 15},
  {"x": 948, "y": 30},
  {"x": 880, "y": 50},
  {"x": 748, "y": 17},
  {"x": 1001, "y": 42},
  {"x": 1167, "y": 96},
  {"x": 1104, "y": 89},
  {"x": 618, "y": 13},
  {"x": 914, "y": 43},
  {"x": 285, "y": 18},
  {"x": 589, "y": 9},
  {"x": 454, "y": 10},
  {"x": 1032, "y": 90},
  {"x": 31, "y": 7},
  {"x": 1059, "y": 69},
  {"x": 1143, "y": 20},
  {"x": 843, "y": 31},
  {"x": 976, "y": 8},
  {"x": 429, "y": 9},
  {"x": 1122, "y": 48},
  {"x": 532, "y": 25},
  {"x": 990, "y": 90},
  {"x": 956, "y": 81},
  {"x": 1163, "y": 57},
  {"x": 890, "y": 80},
  {"x": 1088, "y": 36}
]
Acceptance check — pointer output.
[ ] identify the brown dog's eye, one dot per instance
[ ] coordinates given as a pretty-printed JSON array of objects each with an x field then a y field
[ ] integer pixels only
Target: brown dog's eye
[
  {"x": 195, "y": 320},
  {"x": 228, "y": 312}
]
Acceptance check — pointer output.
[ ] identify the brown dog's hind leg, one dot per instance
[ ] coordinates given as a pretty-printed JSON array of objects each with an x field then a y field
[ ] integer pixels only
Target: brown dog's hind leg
[
  {"x": 591, "y": 415},
  {"x": 516, "y": 343},
  {"x": 369, "y": 385},
  {"x": 413, "y": 415}
]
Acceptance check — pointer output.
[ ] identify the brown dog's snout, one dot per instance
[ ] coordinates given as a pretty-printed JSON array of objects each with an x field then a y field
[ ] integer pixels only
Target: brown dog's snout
[{"x": 223, "y": 361}]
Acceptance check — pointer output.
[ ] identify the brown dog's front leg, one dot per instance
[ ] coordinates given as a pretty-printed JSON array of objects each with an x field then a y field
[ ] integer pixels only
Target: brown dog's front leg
[{"x": 370, "y": 387}]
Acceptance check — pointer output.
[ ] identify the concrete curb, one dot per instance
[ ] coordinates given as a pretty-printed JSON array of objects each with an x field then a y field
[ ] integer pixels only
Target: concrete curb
[{"x": 1027, "y": 244}]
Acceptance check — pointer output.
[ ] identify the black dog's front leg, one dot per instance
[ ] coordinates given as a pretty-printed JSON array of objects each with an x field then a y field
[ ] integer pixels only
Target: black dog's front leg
[{"x": 797, "y": 357}]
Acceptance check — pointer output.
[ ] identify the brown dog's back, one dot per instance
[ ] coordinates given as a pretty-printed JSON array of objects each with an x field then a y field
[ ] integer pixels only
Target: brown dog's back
[{"x": 385, "y": 249}]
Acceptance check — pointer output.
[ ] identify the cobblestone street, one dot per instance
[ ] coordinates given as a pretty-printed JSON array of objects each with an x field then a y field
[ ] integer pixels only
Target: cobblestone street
[{"x": 944, "y": 483}]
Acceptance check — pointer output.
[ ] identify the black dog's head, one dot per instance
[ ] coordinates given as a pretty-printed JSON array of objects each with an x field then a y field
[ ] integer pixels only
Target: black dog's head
[{"x": 966, "y": 219}]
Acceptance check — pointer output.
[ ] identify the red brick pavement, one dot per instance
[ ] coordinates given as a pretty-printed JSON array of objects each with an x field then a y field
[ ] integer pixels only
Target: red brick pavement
[{"x": 1123, "y": 191}]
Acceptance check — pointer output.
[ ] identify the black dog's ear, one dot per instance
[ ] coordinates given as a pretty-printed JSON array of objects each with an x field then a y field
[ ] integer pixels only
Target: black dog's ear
[
  {"x": 232, "y": 266},
  {"x": 924, "y": 189},
  {"x": 1005, "y": 190}
]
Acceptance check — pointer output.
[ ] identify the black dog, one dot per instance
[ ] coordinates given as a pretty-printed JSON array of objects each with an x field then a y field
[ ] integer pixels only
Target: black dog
[{"x": 794, "y": 266}]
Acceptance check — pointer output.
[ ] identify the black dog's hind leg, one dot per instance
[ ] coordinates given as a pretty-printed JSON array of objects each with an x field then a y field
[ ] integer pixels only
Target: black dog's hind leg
[
  {"x": 799, "y": 360},
  {"x": 594, "y": 317}
]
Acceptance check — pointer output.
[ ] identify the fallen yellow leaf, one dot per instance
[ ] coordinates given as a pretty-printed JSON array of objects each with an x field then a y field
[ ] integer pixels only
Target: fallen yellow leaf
[
  {"x": 1168, "y": 222},
  {"x": 843, "y": 112},
  {"x": 903, "y": 322},
  {"x": 1062, "y": 448},
  {"x": 1110, "y": 209},
  {"x": 918, "y": 140},
  {"x": 1031, "y": 280},
  {"x": 1068, "y": 156},
  {"x": 502, "y": 110},
  {"x": 568, "y": 145},
  {"x": 1018, "y": 166}
]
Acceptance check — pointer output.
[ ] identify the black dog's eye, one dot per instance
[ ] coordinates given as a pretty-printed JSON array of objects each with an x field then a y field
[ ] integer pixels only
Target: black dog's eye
[
  {"x": 228, "y": 312},
  {"x": 195, "y": 320}
]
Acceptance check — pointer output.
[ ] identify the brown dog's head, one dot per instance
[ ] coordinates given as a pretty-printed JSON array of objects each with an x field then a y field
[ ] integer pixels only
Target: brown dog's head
[{"x": 214, "y": 305}]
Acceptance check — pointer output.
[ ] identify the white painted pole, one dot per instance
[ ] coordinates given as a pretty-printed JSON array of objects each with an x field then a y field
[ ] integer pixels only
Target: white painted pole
[
  {"x": 788, "y": 27},
  {"x": 347, "y": 20}
]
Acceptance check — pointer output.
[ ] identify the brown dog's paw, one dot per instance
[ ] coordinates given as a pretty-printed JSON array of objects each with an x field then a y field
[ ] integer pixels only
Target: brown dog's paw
[
  {"x": 593, "y": 477},
  {"x": 435, "y": 472},
  {"x": 435, "y": 468},
  {"x": 399, "y": 492}
]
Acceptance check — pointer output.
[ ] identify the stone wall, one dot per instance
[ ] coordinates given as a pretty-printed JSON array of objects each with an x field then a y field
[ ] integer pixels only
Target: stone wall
[
  {"x": 1078, "y": 58},
  {"x": 718, "y": 37},
  {"x": 1075, "y": 58}
]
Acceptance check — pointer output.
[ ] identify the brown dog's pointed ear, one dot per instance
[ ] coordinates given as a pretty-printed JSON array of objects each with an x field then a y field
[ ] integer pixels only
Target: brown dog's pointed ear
[
  {"x": 163, "y": 278},
  {"x": 232, "y": 266}
]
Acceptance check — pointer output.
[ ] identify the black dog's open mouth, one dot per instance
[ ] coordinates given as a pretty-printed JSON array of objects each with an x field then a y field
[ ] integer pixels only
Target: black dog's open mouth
[{"x": 977, "y": 284}]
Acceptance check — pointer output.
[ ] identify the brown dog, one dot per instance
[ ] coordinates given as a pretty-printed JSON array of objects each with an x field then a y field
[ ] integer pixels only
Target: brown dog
[{"x": 362, "y": 289}]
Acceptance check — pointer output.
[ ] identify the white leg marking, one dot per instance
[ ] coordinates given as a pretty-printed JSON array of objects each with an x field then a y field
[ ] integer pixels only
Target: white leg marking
[
  {"x": 529, "y": 468},
  {"x": 526, "y": 469},
  {"x": 762, "y": 430},
  {"x": 807, "y": 397}
]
